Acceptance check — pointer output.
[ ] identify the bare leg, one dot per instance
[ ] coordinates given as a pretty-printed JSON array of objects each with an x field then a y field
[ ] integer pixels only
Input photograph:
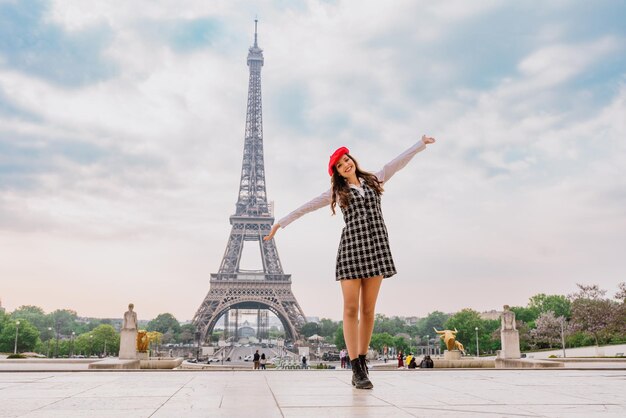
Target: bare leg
[
  {"x": 351, "y": 290},
  {"x": 369, "y": 294}
]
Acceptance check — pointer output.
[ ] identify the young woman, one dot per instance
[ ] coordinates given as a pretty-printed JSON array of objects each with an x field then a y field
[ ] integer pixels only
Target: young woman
[
  {"x": 263, "y": 361},
  {"x": 364, "y": 257}
]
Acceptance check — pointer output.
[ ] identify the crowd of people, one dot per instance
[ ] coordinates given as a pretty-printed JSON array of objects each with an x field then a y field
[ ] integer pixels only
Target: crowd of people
[
  {"x": 260, "y": 361},
  {"x": 411, "y": 362}
]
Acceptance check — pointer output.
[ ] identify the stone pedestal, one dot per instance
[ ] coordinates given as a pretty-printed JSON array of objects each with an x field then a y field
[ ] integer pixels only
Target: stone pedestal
[
  {"x": 452, "y": 355},
  {"x": 510, "y": 344},
  {"x": 142, "y": 356},
  {"x": 128, "y": 344}
]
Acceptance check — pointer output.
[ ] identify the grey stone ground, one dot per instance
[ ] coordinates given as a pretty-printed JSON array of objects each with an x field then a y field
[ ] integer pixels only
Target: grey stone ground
[{"x": 272, "y": 393}]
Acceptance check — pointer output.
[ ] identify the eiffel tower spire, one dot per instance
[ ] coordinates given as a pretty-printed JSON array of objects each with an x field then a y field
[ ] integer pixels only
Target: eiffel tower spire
[
  {"x": 233, "y": 288},
  {"x": 252, "y": 194}
]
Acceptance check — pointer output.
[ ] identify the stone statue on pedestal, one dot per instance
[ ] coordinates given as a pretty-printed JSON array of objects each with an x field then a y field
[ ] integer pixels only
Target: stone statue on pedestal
[
  {"x": 128, "y": 335},
  {"x": 509, "y": 335}
]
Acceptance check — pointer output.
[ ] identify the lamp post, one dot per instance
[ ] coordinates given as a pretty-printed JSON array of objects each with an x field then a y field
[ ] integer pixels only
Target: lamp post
[
  {"x": 105, "y": 347},
  {"x": 427, "y": 345},
  {"x": 72, "y": 344},
  {"x": 56, "y": 349},
  {"x": 49, "y": 339},
  {"x": 17, "y": 327},
  {"x": 477, "y": 352},
  {"x": 563, "y": 334},
  {"x": 90, "y": 345},
  {"x": 198, "y": 334}
]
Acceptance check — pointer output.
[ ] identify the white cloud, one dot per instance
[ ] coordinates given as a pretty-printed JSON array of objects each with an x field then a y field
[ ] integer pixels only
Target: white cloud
[
  {"x": 506, "y": 201},
  {"x": 555, "y": 64}
]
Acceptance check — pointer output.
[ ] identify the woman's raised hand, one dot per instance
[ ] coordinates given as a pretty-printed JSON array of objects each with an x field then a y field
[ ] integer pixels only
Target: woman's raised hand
[
  {"x": 427, "y": 139},
  {"x": 272, "y": 232}
]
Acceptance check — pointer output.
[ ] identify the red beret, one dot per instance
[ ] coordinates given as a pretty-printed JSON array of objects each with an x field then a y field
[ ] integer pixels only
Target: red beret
[{"x": 335, "y": 157}]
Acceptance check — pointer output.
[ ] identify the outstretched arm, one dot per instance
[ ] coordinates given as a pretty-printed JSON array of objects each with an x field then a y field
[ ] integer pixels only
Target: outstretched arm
[
  {"x": 403, "y": 159},
  {"x": 319, "y": 202}
]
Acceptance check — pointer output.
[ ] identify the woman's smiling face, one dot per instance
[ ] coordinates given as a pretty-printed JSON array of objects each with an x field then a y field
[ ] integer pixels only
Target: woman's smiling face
[{"x": 345, "y": 166}]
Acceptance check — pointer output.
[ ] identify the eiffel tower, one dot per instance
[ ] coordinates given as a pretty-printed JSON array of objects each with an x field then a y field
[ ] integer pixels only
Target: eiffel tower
[{"x": 233, "y": 288}]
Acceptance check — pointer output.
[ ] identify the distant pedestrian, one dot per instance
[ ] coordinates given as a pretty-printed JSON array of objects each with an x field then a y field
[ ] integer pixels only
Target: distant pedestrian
[
  {"x": 409, "y": 358},
  {"x": 400, "y": 360},
  {"x": 342, "y": 357},
  {"x": 256, "y": 359},
  {"x": 263, "y": 361},
  {"x": 304, "y": 362}
]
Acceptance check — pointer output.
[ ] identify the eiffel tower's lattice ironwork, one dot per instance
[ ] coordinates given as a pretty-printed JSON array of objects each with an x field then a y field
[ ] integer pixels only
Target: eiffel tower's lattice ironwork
[{"x": 234, "y": 288}]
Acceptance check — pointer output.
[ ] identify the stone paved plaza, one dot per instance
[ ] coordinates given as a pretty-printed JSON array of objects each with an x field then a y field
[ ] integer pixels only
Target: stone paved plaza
[{"x": 271, "y": 393}]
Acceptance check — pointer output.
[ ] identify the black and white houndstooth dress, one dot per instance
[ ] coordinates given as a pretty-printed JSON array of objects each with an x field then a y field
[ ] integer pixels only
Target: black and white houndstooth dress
[{"x": 364, "y": 247}]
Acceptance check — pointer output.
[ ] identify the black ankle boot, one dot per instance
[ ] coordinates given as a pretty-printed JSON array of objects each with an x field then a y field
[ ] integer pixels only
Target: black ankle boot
[
  {"x": 359, "y": 378},
  {"x": 364, "y": 364}
]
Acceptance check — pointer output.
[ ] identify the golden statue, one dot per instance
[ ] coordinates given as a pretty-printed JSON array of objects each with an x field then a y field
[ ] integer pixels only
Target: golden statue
[
  {"x": 142, "y": 341},
  {"x": 449, "y": 338}
]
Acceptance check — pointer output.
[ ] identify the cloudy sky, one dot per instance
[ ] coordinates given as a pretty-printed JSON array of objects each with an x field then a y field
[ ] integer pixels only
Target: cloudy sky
[{"x": 122, "y": 126}]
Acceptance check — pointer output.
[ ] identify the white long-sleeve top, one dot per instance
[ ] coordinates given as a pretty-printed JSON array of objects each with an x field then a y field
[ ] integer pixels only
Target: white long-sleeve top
[{"x": 383, "y": 175}]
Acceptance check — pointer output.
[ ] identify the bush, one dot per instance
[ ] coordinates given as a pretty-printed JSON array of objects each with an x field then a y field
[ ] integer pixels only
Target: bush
[
  {"x": 18, "y": 355},
  {"x": 324, "y": 366},
  {"x": 618, "y": 339},
  {"x": 579, "y": 339}
]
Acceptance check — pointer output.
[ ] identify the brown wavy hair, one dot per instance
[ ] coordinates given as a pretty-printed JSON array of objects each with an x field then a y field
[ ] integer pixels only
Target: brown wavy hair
[{"x": 341, "y": 189}]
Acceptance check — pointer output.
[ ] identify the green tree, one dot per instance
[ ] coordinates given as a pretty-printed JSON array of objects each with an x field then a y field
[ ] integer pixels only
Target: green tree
[
  {"x": 62, "y": 321},
  {"x": 466, "y": 322},
  {"x": 528, "y": 315},
  {"x": 274, "y": 332},
  {"x": 402, "y": 344},
  {"x": 4, "y": 320},
  {"x": 558, "y": 304},
  {"x": 489, "y": 335},
  {"x": 90, "y": 325},
  {"x": 27, "y": 336},
  {"x": 328, "y": 327},
  {"x": 105, "y": 338},
  {"x": 592, "y": 313},
  {"x": 168, "y": 337},
  {"x": 340, "y": 342},
  {"x": 84, "y": 344},
  {"x": 620, "y": 314},
  {"x": 188, "y": 334},
  {"x": 379, "y": 341},
  {"x": 310, "y": 328},
  {"x": 434, "y": 319},
  {"x": 393, "y": 325},
  {"x": 164, "y": 322},
  {"x": 34, "y": 315},
  {"x": 93, "y": 343},
  {"x": 523, "y": 329}
]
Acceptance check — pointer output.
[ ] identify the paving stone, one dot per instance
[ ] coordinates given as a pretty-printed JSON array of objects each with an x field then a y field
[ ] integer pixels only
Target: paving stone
[{"x": 459, "y": 393}]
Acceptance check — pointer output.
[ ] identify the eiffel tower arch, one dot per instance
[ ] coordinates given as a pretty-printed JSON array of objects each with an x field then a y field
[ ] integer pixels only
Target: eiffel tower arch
[{"x": 232, "y": 287}]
